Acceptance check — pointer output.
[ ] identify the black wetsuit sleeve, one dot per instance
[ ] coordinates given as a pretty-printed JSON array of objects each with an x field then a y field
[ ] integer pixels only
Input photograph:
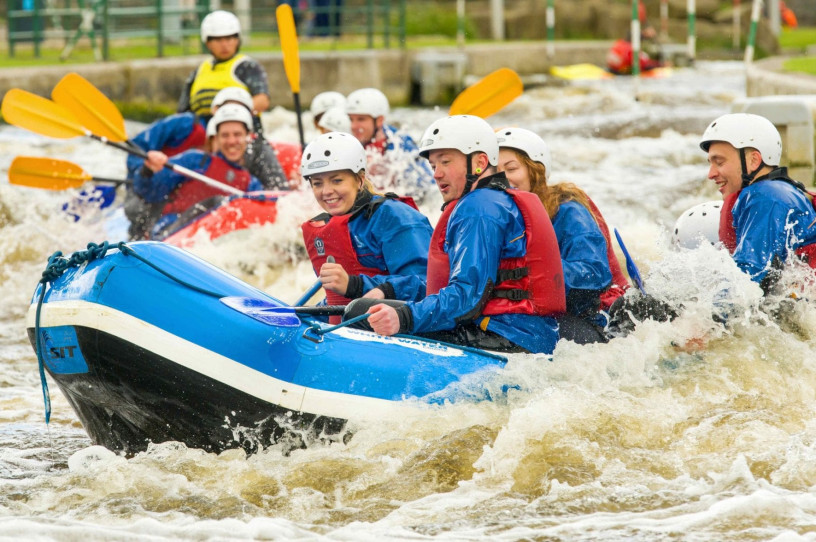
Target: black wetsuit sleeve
[{"x": 252, "y": 74}]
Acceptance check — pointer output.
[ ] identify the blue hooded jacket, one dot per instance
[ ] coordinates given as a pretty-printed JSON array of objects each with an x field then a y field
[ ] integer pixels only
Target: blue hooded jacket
[{"x": 485, "y": 227}]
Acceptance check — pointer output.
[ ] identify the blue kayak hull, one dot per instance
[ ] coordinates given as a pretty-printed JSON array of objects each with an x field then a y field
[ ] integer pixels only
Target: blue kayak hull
[{"x": 152, "y": 346}]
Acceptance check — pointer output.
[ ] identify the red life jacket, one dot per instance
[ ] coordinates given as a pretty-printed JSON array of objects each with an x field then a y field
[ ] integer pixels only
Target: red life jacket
[
  {"x": 619, "y": 57},
  {"x": 333, "y": 238},
  {"x": 728, "y": 234},
  {"x": 196, "y": 139},
  {"x": 532, "y": 284},
  {"x": 619, "y": 283},
  {"x": 190, "y": 192}
]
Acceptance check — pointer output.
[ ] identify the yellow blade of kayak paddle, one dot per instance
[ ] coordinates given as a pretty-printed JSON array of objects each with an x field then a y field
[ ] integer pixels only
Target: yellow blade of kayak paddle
[
  {"x": 46, "y": 173},
  {"x": 40, "y": 115},
  {"x": 291, "y": 58},
  {"x": 489, "y": 95},
  {"x": 93, "y": 110},
  {"x": 289, "y": 45}
]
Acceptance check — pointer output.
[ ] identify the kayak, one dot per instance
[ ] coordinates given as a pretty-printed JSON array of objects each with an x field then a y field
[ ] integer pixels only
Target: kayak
[
  {"x": 289, "y": 157},
  {"x": 220, "y": 216},
  {"x": 149, "y": 344},
  {"x": 575, "y": 72}
]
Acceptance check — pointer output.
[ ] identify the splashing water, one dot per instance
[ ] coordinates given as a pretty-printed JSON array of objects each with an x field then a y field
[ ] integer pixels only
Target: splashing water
[{"x": 677, "y": 431}]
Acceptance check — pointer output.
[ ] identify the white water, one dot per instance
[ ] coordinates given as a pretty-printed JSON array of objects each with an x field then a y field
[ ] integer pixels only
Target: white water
[{"x": 633, "y": 440}]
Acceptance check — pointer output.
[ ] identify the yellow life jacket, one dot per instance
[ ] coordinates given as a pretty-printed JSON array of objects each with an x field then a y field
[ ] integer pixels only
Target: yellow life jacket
[{"x": 210, "y": 78}]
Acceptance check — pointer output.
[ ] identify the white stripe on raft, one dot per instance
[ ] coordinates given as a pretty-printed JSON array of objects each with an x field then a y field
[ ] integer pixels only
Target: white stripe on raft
[{"x": 215, "y": 366}]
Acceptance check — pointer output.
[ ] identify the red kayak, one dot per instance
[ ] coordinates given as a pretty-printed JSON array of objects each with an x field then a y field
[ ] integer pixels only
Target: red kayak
[
  {"x": 222, "y": 215},
  {"x": 289, "y": 158},
  {"x": 219, "y": 216}
]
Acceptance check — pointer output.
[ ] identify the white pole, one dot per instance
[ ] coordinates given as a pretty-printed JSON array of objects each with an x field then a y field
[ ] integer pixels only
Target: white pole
[
  {"x": 691, "y": 43},
  {"x": 497, "y": 19},
  {"x": 242, "y": 11},
  {"x": 634, "y": 29},
  {"x": 460, "y": 23},
  {"x": 774, "y": 15},
  {"x": 664, "y": 20},
  {"x": 550, "y": 19},
  {"x": 737, "y": 31},
  {"x": 749, "y": 48}
]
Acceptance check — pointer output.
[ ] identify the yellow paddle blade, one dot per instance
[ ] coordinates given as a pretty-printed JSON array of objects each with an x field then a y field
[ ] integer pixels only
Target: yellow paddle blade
[
  {"x": 289, "y": 45},
  {"x": 580, "y": 71},
  {"x": 46, "y": 173},
  {"x": 489, "y": 95},
  {"x": 39, "y": 115},
  {"x": 93, "y": 110}
]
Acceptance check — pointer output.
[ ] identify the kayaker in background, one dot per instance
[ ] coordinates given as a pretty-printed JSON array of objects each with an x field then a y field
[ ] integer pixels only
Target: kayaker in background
[
  {"x": 178, "y": 193},
  {"x": 379, "y": 243},
  {"x": 494, "y": 270},
  {"x": 393, "y": 157},
  {"x": 177, "y": 133},
  {"x": 261, "y": 160},
  {"x": 766, "y": 215},
  {"x": 619, "y": 59},
  {"x": 592, "y": 274},
  {"x": 323, "y": 102},
  {"x": 221, "y": 34}
]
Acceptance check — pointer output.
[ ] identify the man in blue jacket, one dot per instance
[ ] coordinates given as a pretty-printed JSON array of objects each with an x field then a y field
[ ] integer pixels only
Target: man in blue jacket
[
  {"x": 766, "y": 216},
  {"x": 176, "y": 193},
  {"x": 494, "y": 271}
]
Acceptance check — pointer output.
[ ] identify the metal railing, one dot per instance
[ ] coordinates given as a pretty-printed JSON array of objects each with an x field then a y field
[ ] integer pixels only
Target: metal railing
[{"x": 174, "y": 21}]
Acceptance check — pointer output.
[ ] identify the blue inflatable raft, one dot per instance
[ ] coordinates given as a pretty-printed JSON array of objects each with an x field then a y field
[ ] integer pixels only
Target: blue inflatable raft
[{"x": 149, "y": 344}]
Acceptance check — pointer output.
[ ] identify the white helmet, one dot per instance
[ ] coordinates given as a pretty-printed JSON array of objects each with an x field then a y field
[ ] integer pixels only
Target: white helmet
[
  {"x": 465, "y": 133},
  {"x": 746, "y": 130},
  {"x": 699, "y": 224},
  {"x": 233, "y": 94},
  {"x": 231, "y": 112},
  {"x": 528, "y": 142},
  {"x": 219, "y": 24},
  {"x": 211, "y": 128},
  {"x": 335, "y": 119},
  {"x": 367, "y": 101},
  {"x": 334, "y": 151},
  {"x": 325, "y": 101}
]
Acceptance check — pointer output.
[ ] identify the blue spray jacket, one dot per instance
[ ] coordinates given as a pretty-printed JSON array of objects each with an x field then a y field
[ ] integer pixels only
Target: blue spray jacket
[
  {"x": 396, "y": 237},
  {"x": 771, "y": 217},
  {"x": 485, "y": 226},
  {"x": 155, "y": 187},
  {"x": 166, "y": 133},
  {"x": 583, "y": 255}
]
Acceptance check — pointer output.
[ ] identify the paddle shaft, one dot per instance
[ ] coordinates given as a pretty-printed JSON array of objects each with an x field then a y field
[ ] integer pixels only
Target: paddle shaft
[
  {"x": 299, "y": 119},
  {"x": 313, "y": 290},
  {"x": 174, "y": 167},
  {"x": 634, "y": 273}
]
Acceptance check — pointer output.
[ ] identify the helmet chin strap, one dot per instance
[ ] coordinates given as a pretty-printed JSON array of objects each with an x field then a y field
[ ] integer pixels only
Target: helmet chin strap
[
  {"x": 747, "y": 177},
  {"x": 470, "y": 177}
]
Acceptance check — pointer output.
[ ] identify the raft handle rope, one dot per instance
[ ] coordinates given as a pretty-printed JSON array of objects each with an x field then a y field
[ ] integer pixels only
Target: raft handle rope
[{"x": 57, "y": 265}]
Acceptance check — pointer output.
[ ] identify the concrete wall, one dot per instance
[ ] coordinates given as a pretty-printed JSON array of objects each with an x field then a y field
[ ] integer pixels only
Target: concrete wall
[
  {"x": 766, "y": 78},
  {"x": 789, "y": 101},
  {"x": 161, "y": 80}
]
